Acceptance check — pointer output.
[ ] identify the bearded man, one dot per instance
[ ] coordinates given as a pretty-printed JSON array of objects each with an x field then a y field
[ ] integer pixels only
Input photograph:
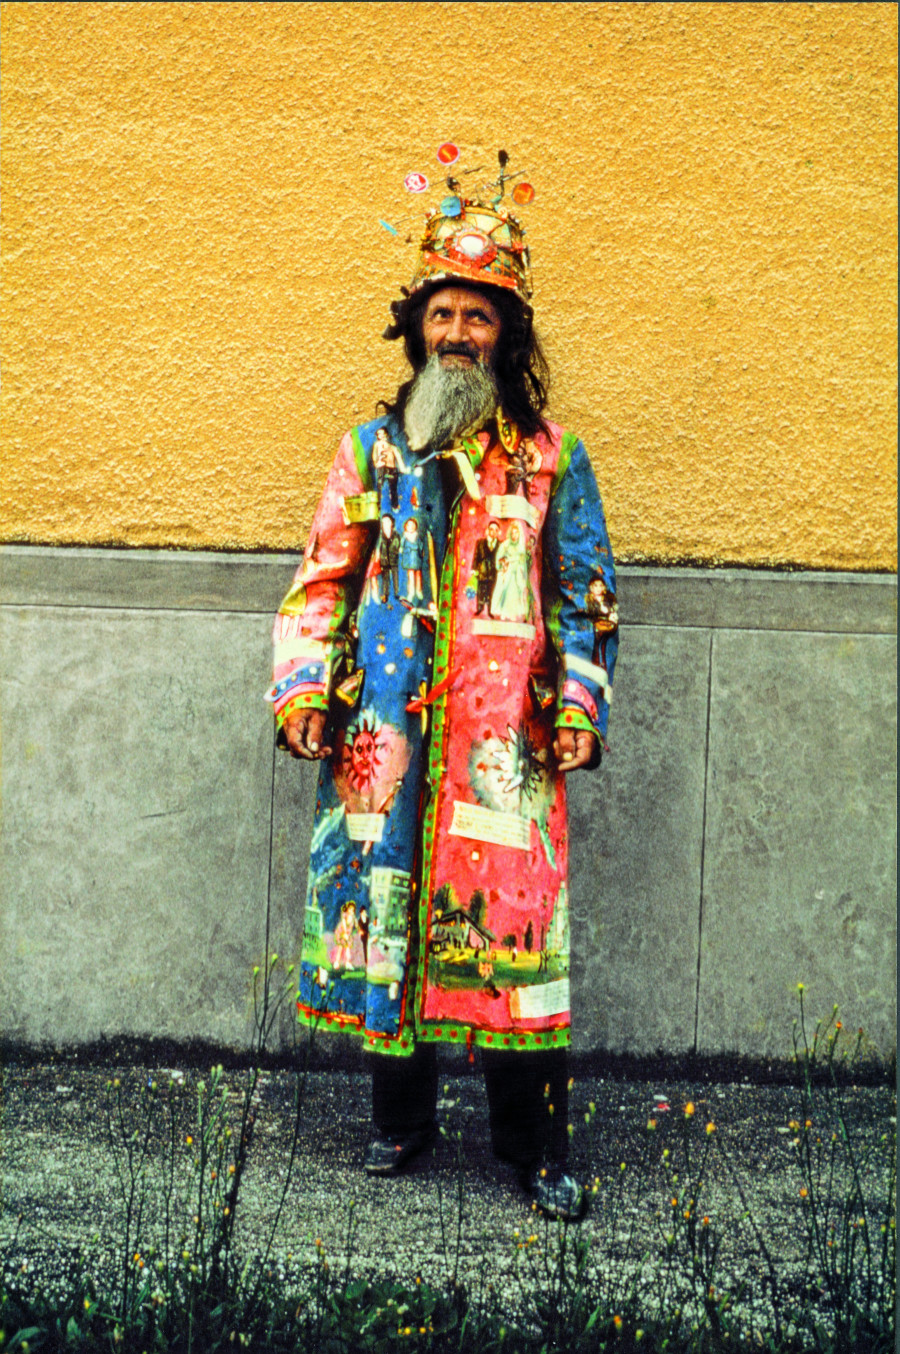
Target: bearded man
[{"x": 445, "y": 736}]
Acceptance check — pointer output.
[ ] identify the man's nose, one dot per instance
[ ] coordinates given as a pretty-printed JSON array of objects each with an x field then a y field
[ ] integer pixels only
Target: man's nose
[{"x": 458, "y": 331}]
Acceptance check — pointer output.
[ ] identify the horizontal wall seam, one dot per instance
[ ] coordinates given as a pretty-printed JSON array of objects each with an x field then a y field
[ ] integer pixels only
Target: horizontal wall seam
[
  {"x": 656, "y": 598},
  {"x": 134, "y": 610},
  {"x": 626, "y": 624}
]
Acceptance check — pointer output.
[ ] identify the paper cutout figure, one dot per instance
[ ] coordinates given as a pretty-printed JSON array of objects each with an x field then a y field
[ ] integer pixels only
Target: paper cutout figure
[
  {"x": 412, "y": 555},
  {"x": 388, "y": 462},
  {"x": 511, "y": 598},
  {"x": 484, "y": 565},
  {"x": 600, "y": 604},
  {"x": 389, "y": 558}
]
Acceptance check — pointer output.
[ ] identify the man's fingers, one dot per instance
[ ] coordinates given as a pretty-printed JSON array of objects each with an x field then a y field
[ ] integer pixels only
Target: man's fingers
[
  {"x": 304, "y": 732},
  {"x": 573, "y": 748}
]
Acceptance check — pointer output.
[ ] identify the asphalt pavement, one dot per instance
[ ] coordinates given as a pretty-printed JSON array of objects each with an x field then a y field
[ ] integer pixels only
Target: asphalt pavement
[{"x": 457, "y": 1211}]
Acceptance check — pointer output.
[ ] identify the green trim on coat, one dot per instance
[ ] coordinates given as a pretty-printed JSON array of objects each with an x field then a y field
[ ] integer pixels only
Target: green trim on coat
[
  {"x": 567, "y": 446},
  {"x": 362, "y": 460}
]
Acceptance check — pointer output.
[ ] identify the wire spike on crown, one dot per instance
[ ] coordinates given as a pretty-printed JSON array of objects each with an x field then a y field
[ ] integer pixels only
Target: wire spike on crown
[{"x": 475, "y": 240}]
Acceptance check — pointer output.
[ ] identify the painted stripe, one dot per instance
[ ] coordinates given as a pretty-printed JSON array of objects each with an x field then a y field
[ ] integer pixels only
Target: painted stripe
[
  {"x": 567, "y": 446},
  {"x": 362, "y": 460},
  {"x": 573, "y": 663},
  {"x": 443, "y": 641}
]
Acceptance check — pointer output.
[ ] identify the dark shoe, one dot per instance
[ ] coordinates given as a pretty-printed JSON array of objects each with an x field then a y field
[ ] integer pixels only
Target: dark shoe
[
  {"x": 556, "y": 1194},
  {"x": 388, "y": 1156}
]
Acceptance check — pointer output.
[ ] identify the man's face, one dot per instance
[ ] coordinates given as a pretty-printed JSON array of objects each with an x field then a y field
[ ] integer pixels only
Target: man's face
[
  {"x": 462, "y": 326},
  {"x": 493, "y": 533}
]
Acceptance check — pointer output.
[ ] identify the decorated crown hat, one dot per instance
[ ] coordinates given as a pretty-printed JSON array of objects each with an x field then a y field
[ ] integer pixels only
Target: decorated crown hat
[{"x": 476, "y": 241}]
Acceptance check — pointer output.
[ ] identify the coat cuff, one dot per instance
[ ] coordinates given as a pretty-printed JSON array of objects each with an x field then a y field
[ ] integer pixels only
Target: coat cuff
[
  {"x": 578, "y": 709},
  {"x": 302, "y": 688},
  {"x": 305, "y": 700},
  {"x": 577, "y": 719}
]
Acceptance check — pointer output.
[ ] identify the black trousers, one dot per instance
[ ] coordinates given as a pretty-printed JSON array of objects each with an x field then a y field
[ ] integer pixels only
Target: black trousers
[{"x": 523, "y": 1130}]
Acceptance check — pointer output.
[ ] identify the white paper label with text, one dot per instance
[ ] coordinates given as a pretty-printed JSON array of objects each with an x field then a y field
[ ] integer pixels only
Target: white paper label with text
[
  {"x": 546, "y": 999},
  {"x": 365, "y": 827},
  {"x": 486, "y": 825}
]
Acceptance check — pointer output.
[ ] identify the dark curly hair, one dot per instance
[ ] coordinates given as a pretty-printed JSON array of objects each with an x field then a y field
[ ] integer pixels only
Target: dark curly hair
[{"x": 520, "y": 366}]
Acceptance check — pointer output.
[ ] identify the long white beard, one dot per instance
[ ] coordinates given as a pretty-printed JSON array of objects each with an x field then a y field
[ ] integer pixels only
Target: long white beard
[{"x": 445, "y": 403}]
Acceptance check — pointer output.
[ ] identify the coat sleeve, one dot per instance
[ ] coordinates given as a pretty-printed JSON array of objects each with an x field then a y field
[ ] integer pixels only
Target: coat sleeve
[
  {"x": 579, "y": 585},
  {"x": 310, "y": 627}
]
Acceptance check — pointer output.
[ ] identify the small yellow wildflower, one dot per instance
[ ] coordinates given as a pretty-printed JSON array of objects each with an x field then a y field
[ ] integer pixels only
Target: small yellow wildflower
[
  {"x": 617, "y": 1322},
  {"x": 804, "y": 1193},
  {"x": 689, "y": 1109},
  {"x": 710, "y": 1128}
]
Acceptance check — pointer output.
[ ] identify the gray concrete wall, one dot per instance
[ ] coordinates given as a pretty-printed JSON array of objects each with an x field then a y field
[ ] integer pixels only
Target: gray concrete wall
[{"x": 739, "y": 838}]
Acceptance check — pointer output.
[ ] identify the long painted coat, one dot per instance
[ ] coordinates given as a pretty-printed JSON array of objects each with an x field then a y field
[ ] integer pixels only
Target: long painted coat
[{"x": 446, "y": 639}]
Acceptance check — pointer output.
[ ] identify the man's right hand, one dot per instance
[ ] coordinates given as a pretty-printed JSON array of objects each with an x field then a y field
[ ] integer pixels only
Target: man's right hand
[{"x": 303, "y": 732}]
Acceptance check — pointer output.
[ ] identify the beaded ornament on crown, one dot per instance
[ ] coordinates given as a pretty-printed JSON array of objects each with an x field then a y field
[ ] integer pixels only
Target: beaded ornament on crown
[{"x": 477, "y": 241}]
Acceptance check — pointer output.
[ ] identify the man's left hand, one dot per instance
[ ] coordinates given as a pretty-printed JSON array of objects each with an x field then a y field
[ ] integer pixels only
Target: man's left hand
[{"x": 574, "y": 748}]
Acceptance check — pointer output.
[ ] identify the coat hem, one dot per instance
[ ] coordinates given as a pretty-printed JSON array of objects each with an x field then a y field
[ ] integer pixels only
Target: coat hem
[{"x": 443, "y": 1032}]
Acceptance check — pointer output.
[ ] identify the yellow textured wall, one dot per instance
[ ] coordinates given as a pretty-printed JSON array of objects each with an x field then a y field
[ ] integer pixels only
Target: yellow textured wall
[{"x": 196, "y": 277}]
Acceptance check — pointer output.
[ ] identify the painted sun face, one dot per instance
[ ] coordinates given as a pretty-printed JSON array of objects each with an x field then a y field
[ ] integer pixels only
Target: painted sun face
[
  {"x": 370, "y": 760},
  {"x": 363, "y": 759}
]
